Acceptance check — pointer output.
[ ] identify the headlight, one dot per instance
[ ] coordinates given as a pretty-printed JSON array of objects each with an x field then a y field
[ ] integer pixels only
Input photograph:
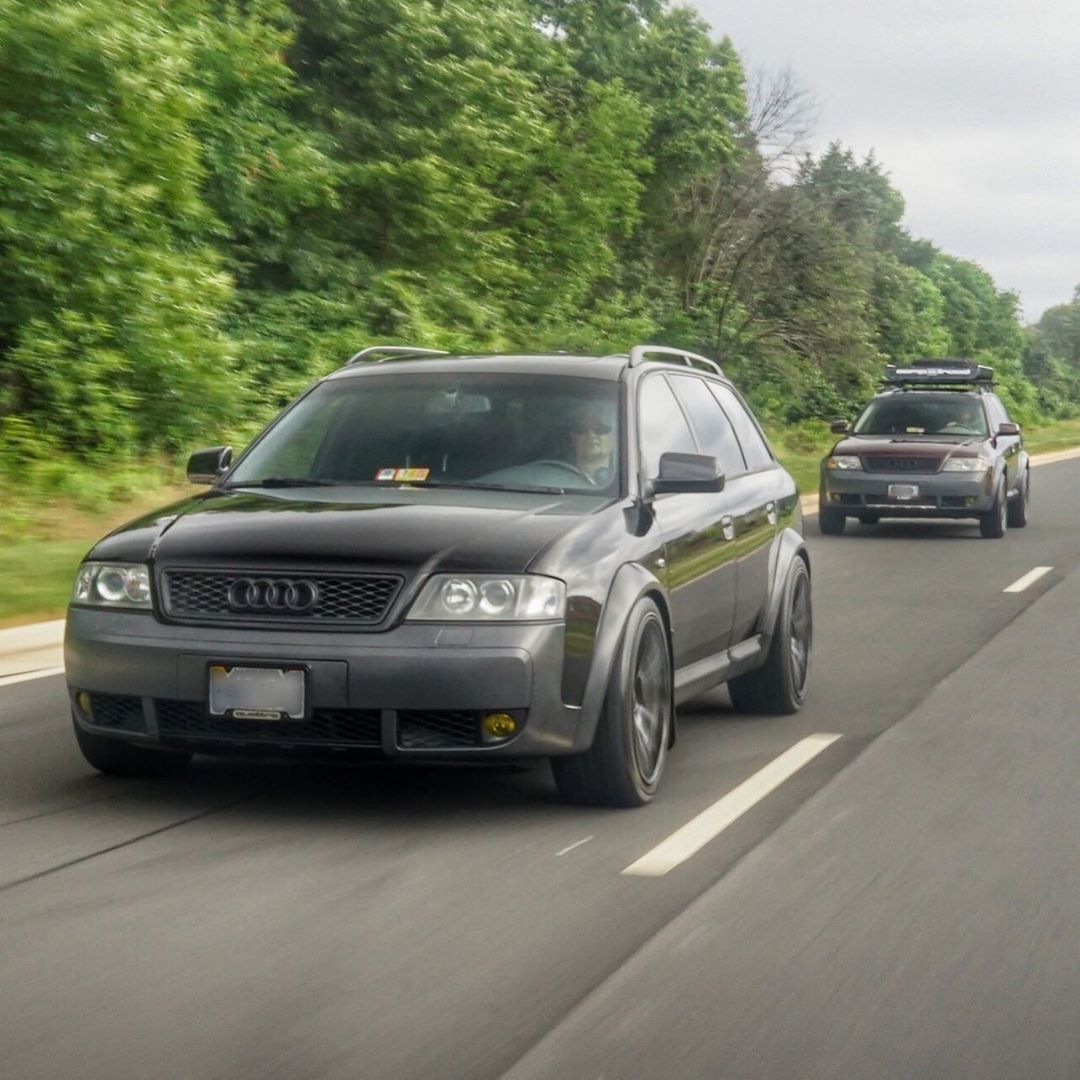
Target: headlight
[
  {"x": 112, "y": 585},
  {"x": 843, "y": 461},
  {"x": 967, "y": 464},
  {"x": 490, "y": 597}
]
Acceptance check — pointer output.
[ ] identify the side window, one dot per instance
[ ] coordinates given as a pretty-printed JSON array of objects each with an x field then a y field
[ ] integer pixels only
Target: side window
[
  {"x": 998, "y": 413},
  {"x": 662, "y": 427},
  {"x": 714, "y": 432},
  {"x": 754, "y": 448}
]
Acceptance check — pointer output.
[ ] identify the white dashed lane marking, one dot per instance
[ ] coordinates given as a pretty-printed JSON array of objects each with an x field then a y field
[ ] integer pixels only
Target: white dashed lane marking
[
  {"x": 1020, "y": 584},
  {"x": 695, "y": 834}
]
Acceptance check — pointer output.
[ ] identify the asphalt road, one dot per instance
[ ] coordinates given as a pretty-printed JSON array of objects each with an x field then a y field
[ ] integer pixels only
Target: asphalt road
[{"x": 905, "y": 904}]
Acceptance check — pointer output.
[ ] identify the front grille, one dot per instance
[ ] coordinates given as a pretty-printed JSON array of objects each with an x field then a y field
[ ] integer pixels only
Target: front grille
[
  {"x": 117, "y": 712},
  {"x": 891, "y": 463},
  {"x": 340, "y": 599},
  {"x": 437, "y": 730},
  {"x": 327, "y": 727}
]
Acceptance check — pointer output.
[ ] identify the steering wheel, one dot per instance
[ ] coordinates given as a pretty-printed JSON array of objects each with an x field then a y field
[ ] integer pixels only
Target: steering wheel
[{"x": 566, "y": 467}]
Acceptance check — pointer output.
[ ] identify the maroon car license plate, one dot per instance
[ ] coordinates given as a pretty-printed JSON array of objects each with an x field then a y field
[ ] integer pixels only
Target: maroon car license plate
[{"x": 903, "y": 492}]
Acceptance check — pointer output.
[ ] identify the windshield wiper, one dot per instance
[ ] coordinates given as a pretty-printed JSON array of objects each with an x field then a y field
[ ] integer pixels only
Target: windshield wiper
[
  {"x": 480, "y": 485},
  {"x": 281, "y": 482}
]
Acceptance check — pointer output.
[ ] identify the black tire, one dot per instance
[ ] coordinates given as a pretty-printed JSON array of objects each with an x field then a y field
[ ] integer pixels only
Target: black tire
[
  {"x": 1017, "y": 515},
  {"x": 992, "y": 524},
  {"x": 778, "y": 687},
  {"x": 118, "y": 758},
  {"x": 624, "y": 765},
  {"x": 831, "y": 522},
  {"x": 871, "y": 517}
]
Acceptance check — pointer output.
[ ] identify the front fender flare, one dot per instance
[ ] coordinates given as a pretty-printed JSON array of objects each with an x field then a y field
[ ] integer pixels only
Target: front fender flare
[{"x": 631, "y": 582}]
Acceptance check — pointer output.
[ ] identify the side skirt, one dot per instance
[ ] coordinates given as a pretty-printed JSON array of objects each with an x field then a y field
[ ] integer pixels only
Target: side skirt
[{"x": 695, "y": 679}]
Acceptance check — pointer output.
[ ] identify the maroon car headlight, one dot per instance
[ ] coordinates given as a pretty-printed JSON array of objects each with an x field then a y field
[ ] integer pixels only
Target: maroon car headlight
[
  {"x": 118, "y": 585},
  {"x": 490, "y": 598},
  {"x": 843, "y": 462}
]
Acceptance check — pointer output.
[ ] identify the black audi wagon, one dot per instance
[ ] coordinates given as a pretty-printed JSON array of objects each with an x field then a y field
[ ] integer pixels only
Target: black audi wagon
[{"x": 455, "y": 557}]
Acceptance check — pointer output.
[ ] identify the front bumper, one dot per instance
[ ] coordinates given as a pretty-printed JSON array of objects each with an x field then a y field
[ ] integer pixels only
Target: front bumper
[
  {"x": 419, "y": 690},
  {"x": 946, "y": 495}
]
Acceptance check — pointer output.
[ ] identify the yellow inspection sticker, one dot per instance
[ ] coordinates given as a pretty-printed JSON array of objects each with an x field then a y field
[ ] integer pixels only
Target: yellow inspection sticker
[{"x": 403, "y": 476}]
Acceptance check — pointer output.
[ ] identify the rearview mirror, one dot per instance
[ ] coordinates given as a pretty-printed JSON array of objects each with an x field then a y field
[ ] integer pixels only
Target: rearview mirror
[
  {"x": 1007, "y": 427},
  {"x": 840, "y": 427},
  {"x": 686, "y": 473},
  {"x": 205, "y": 466}
]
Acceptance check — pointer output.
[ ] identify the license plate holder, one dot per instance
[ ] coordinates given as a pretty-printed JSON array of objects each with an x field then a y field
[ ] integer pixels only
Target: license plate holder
[
  {"x": 903, "y": 492},
  {"x": 257, "y": 693}
]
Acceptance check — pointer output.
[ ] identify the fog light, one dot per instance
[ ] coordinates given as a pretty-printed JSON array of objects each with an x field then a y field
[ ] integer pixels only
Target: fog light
[
  {"x": 499, "y": 725},
  {"x": 82, "y": 699},
  {"x": 834, "y": 496}
]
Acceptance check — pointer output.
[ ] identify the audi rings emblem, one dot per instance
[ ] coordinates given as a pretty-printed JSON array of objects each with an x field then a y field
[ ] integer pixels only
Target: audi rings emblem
[{"x": 273, "y": 594}]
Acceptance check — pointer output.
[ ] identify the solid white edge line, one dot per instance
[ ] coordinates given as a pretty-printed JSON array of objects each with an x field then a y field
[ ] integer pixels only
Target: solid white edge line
[
  {"x": 1020, "y": 584},
  {"x": 28, "y": 676},
  {"x": 695, "y": 834}
]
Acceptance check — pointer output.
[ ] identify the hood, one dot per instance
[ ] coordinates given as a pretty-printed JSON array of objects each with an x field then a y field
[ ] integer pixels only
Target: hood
[
  {"x": 932, "y": 447},
  {"x": 479, "y": 531}
]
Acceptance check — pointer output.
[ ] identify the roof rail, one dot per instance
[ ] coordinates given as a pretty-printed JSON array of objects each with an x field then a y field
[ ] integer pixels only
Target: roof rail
[
  {"x": 388, "y": 351},
  {"x": 640, "y": 353}
]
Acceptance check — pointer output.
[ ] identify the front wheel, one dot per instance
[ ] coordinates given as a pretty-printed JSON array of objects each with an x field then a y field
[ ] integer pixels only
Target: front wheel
[
  {"x": 122, "y": 759},
  {"x": 626, "y": 760},
  {"x": 778, "y": 687},
  {"x": 1017, "y": 516},
  {"x": 992, "y": 524},
  {"x": 831, "y": 522}
]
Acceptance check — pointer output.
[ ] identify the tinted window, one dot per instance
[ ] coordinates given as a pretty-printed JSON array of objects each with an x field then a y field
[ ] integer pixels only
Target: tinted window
[
  {"x": 452, "y": 429},
  {"x": 714, "y": 432},
  {"x": 661, "y": 424},
  {"x": 923, "y": 414},
  {"x": 754, "y": 448}
]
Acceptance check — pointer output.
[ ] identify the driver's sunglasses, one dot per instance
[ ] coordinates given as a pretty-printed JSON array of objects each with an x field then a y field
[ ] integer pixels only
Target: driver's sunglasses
[{"x": 596, "y": 427}]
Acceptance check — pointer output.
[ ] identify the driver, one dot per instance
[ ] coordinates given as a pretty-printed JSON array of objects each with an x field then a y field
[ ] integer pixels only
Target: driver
[{"x": 592, "y": 442}]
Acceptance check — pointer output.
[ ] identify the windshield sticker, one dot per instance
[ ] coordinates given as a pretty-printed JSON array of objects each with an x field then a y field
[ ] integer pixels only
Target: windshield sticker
[{"x": 403, "y": 476}]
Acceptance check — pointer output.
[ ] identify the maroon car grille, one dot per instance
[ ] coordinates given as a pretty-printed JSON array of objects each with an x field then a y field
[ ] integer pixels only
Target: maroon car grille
[
  {"x": 259, "y": 596},
  {"x": 900, "y": 463}
]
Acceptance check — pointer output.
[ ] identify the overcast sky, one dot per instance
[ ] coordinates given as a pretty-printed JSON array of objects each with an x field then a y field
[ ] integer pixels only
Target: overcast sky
[{"x": 971, "y": 106}]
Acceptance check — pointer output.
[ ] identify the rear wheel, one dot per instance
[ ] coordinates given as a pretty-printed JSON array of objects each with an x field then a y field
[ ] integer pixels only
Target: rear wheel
[
  {"x": 779, "y": 685},
  {"x": 122, "y": 759},
  {"x": 831, "y": 522},
  {"x": 992, "y": 523},
  {"x": 1017, "y": 516},
  {"x": 626, "y": 760}
]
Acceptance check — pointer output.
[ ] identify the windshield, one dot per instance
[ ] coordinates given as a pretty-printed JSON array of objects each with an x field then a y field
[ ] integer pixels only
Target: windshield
[
  {"x": 926, "y": 414},
  {"x": 496, "y": 430}
]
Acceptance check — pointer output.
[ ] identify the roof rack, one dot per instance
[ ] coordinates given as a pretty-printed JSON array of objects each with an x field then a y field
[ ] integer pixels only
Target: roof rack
[
  {"x": 388, "y": 352},
  {"x": 640, "y": 353},
  {"x": 946, "y": 371}
]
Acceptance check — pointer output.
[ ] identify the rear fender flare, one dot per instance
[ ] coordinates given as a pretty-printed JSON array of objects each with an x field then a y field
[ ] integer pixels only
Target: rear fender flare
[
  {"x": 631, "y": 582},
  {"x": 788, "y": 545}
]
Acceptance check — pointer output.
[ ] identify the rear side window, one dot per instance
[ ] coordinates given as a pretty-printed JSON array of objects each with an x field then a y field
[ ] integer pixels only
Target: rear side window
[
  {"x": 662, "y": 427},
  {"x": 714, "y": 431},
  {"x": 754, "y": 448}
]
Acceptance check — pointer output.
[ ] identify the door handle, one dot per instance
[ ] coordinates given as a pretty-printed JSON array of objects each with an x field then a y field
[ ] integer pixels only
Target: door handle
[{"x": 727, "y": 527}]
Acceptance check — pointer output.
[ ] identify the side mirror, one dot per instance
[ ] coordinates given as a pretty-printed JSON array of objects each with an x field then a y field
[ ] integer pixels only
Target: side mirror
[
  {"x": 205, "y": 466},
  {"x": 686, "y": 473},
  {"x": 840, "y": 427},
  {"x": 1007, "y": 427}
]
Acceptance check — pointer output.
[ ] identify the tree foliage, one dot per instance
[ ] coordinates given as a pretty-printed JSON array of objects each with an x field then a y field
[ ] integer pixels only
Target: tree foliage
[{"x": 205, "y": 203}]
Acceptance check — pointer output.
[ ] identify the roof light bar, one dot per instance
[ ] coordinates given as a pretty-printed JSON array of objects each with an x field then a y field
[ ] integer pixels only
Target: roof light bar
[{"x": 936, "y": 372}]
